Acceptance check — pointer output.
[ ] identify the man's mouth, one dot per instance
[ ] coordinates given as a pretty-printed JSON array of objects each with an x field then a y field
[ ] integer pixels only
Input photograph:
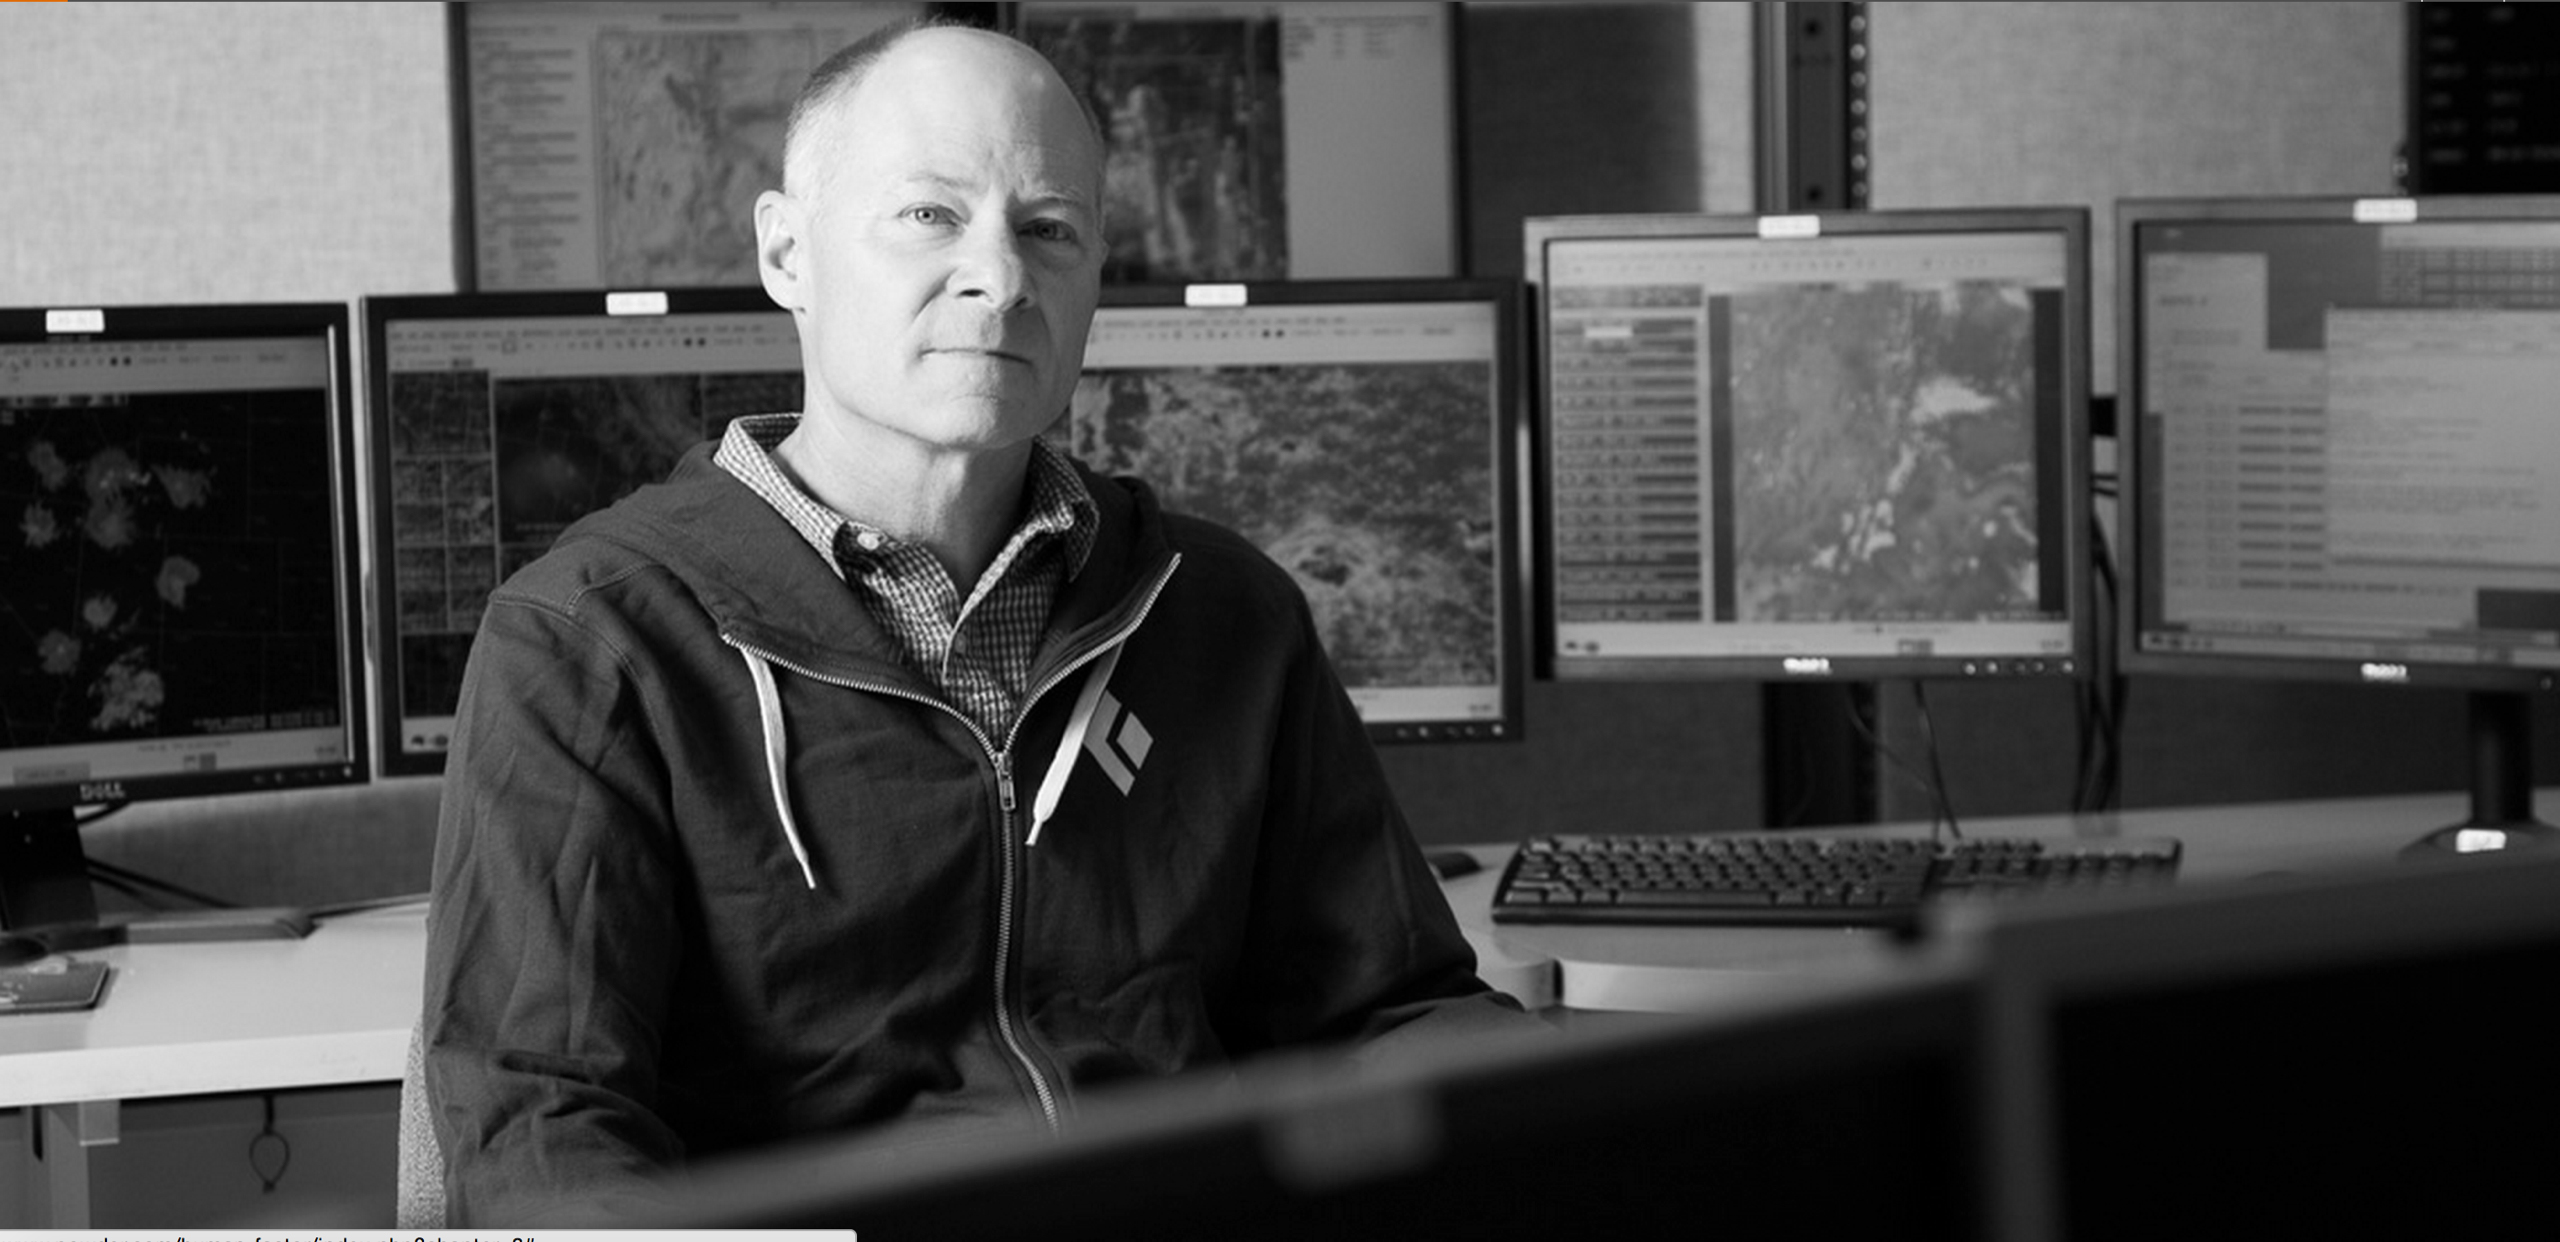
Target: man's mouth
[{"x": 982, "y": 351}]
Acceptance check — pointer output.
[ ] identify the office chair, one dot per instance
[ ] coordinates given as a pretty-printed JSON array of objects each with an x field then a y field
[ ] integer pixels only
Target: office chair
[{"x": 419, "y": 1198}]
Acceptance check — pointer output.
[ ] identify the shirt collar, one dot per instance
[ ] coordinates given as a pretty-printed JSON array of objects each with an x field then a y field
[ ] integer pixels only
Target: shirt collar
[{"x": 1060, "y": 504}]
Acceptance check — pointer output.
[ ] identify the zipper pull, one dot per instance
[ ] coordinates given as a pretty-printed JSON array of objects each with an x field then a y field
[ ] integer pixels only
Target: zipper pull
[{"x": 1004, "y": 783}]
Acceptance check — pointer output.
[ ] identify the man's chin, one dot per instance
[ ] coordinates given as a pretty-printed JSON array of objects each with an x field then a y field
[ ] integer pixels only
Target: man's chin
[{"x": 978, "y": 422}]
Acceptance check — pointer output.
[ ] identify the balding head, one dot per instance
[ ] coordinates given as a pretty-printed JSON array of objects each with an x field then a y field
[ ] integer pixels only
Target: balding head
[{"x": 816, "y": 124}]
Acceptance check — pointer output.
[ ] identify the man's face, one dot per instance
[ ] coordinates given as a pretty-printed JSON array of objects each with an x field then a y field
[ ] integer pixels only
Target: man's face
[{"x": 949, "y": 245}]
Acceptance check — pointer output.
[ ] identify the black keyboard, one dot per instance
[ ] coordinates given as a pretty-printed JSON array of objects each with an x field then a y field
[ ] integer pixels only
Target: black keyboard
[{"x": 1800, "y": 879}]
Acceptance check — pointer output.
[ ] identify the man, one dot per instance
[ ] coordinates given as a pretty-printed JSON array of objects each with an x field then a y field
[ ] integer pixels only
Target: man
[{"x": 883, "y": 769}]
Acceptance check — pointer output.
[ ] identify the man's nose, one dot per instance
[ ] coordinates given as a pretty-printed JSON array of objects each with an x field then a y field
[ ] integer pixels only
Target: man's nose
[{"x": 991, "y": 266}]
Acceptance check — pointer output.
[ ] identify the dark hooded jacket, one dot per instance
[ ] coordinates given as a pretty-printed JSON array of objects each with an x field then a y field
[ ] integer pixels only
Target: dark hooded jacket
[{"x": 716, "y": 869}]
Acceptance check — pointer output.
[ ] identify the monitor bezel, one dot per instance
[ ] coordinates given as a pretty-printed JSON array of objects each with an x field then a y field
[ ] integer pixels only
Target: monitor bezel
[
  {"x": 2137, "y": 576},
  {"x": 2073, "y": 433},
  {"x": 1512, "y": 571},
  {"x": 234, "y": 321},
  {"x": 2036, "y": 962},
  {"x": 378, "y": 313}
]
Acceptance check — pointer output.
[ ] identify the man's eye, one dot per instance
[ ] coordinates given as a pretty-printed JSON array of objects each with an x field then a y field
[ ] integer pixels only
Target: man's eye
[
  {"x": 928, "y": 213},
  {"x": 1052, "y": 230}
]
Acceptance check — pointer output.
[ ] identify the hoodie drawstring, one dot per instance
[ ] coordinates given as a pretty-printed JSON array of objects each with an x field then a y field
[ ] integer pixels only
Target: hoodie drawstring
[
  {"x": 769, "y": 705},
  {"x": 1054, "y": 783}
]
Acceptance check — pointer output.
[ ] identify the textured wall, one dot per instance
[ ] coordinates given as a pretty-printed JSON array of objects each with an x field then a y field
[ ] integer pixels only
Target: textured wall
[{"x": 222, "y": 151}]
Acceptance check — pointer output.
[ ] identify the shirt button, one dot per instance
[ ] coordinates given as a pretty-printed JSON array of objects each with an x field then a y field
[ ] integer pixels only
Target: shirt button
[{"x": 868, "y": 541}]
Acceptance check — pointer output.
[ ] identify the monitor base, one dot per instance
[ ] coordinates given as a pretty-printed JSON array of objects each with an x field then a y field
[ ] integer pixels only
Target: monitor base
[
  {"x": 246, "y": 923},
  {"x": 2454, "y": 840}
]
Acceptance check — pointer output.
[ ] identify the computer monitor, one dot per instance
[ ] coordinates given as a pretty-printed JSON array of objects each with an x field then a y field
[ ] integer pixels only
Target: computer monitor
[
  {"x": 1846, "y": 1112},
  {"x": 2339, "y": 458},
  {"x": 1265, "y": 139},
  {"x": 2342, "y": 1055},
  {"x": 622, "y": 143},
  {"x": 1809, "y": 448},
  {"x": 1367, "y": 435},
  {"x": 498, "y": 419},
  {"x": 182, "y": 593}
]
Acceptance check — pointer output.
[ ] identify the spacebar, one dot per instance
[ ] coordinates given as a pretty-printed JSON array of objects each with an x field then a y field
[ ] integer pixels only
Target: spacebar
[{"x": 1696, "y": 898}]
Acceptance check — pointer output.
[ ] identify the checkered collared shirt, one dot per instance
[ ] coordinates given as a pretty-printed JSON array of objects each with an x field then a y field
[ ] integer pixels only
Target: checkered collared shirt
[{"x": 977, "y": 651}]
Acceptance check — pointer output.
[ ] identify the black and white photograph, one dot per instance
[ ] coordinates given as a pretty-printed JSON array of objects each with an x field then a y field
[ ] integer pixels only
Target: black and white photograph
[{"x": 899, "y": 620}]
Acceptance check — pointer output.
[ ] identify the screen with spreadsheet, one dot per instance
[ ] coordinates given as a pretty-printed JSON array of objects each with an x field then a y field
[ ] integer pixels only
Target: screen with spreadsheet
[
  {"x": 1810, "y": 447},
  {"x": 1365, "y": 435},
  {"x": 499, "y": 419},
  {"x": 2343, "y": 439}
]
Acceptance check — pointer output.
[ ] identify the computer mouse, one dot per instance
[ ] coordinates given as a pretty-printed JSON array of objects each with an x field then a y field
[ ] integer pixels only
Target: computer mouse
[
  {"x": 1450, "y": 864},
  {"x": 19, "y": 950}
]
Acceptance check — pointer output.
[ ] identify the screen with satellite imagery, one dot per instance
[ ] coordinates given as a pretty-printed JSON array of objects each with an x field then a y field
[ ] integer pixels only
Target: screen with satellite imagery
[
  {"x": 1251, "y": 140},
  {"x": 1362, "y": 433},
  {"x": 179, "y": 601},
  {"x": 499, "y": 419},
  {"x": 622, "y": 143},
  {"x": 1813, "y": 447}
]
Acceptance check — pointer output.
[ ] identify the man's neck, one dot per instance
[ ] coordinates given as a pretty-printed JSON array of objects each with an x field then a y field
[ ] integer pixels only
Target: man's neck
[{"x": 961, "y": 506}]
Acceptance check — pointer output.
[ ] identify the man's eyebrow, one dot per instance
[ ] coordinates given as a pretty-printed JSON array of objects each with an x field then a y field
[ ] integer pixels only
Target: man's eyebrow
[{"x": 1064, "y": 195}]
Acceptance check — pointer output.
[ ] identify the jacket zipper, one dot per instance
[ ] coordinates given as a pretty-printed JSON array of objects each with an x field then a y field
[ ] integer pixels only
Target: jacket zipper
[{"x": 1003, "y": 761}]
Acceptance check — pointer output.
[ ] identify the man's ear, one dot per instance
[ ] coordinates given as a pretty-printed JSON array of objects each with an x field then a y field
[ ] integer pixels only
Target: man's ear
[{"x": 781, "y": 259}]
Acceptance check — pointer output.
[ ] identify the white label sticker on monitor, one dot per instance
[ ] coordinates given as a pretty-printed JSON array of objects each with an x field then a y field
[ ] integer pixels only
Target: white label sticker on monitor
[
  {"x": 2386, "y": 210},
  {"x": 75, "y": 321},
  {"x": 1775, "y": 227},
  {"x": 649, "y": 302},
  {"x": 1213, "y": 295}
]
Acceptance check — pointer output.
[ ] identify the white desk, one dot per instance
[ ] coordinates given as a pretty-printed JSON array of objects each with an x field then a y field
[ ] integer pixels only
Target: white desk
[
  {"x": 193, "y": 1019},
  {"x": 1675, "y": 969},
  {"x": 337, "y": 1007}
]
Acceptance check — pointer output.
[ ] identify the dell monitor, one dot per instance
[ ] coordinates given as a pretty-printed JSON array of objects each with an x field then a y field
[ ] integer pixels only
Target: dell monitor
[
  {"x": 1812, "y": 448},
  {"x": 498, "y": 419},
  {"x": 1366, "y": 435},
  {"x": 181, "y": 592},
  {"x": 2340, "y": 459}
]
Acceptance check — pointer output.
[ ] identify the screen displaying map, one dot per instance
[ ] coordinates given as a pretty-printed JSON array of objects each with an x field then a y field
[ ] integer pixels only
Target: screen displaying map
[
  {"x": 693, "y": 133},
  {"x": 1194, "y": 183},
  {"x": 162, "y": 580},
  {"x": 1362, "y": 436},
  {"x": 1779, "y": 448},
  {"x": 1249, "y": 140},
  {"x": 623, "y": 144},
  {"x": 1371, "y": 484},
  {"x": 505, "y": 418},
  {"x": 1884, "y": 453}
]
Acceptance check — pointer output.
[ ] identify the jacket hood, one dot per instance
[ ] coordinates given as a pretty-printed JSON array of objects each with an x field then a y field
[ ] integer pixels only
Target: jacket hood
[{"x": 743, "y": 562}]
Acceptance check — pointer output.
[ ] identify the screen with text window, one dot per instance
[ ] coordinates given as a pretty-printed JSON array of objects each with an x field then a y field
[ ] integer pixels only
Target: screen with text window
[{"x": 2348, "y": 460}]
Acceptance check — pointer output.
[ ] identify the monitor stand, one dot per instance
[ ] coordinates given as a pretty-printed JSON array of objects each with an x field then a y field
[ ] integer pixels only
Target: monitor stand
[
  {"x": 2501, "y": 785},
  {"x": 46, "y": 903}
]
